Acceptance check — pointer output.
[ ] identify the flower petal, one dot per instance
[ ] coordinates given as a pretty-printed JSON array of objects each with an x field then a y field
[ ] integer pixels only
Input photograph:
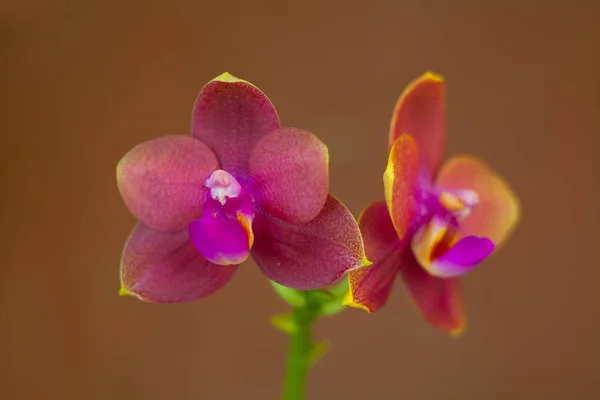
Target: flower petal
[
  {"x": 222, "y": 241},
  {"x": 231, "y": 115},
  {"x": 421, "y": 112},
  {"x": 290, "y": 167},
  {"x": 311, "y": 255},
  {"x": 164, "y": 267},
  {"x": 400, "y": 182},
  {"x": 370, "y": 286},
  {"x": 162, "y": 180},
  {"x": 498, "y": 210},
  {"x": 463, "y": 256},
  {"x": 438, "y": 252},
  {"x": 438, "y": 300},
  {"x": 378, "y": 232}
]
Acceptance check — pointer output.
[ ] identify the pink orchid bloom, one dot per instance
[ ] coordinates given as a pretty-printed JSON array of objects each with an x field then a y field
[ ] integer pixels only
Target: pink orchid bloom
[
  {"x": 436, "y": 223},
  {"x": 239, "y": 185}
]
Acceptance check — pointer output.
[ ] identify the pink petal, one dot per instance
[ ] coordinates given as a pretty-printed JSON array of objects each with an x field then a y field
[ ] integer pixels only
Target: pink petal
[
  {"x": 290, "y": 168},
  {"x": 370, "y": 286},
  {"x": 311, "y": 255},
  {"x": 231, "y": 115},
  {"x": 162, "y": 180},
  {"x": 438, "y": 300},
  {"x": 400, "y": 182},
  {"x": 164, "y": 267},
  {"x": 421, "y": 112},
  {"x": 498, "y": 210}
]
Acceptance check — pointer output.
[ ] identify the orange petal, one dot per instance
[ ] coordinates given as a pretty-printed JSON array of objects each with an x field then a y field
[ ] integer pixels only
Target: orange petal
[
  {"x": 421, "y": 112},
  {"x": 498, "y": 210},
  {"x": 400, "y": 181}
]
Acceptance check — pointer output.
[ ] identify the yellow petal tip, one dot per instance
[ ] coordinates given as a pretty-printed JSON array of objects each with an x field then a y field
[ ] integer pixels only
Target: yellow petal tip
[
  {"x": 460, "y": 328},
  {"x": 366, "y": 262},
  {"x": 227, "y": 77},
  {"x": 125, "y": 292},
  {"x": 348, "y": 300},
  {"x": 119, "y": 170},
  {"x": 432, "y": 76},
  {"x": 457, "y": 332}
]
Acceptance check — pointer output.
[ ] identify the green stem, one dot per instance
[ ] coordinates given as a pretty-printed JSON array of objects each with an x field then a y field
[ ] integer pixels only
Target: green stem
[
  {"x": 299, "y": 354},
  {"x": 307, "y": 306}
]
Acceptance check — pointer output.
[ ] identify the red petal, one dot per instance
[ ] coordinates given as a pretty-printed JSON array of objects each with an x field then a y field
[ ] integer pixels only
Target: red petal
[
  {"x": 230, "y": 116},
  {"x": 165, "y": 267},
  {"x": 370, "y": 286},
  {"x": 311, "y": 255},
  {"x": 438, "y": 300},
  {"x": 290, "y": 167}
]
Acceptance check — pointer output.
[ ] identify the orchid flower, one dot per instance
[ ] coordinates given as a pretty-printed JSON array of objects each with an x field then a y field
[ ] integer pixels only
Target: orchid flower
[
  {"x": 436, "y": 223},
  {"x": 239, "y": 185}
]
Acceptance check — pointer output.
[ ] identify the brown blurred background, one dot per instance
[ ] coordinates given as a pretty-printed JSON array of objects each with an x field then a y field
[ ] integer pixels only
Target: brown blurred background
[{"x": 84, "y": 81}]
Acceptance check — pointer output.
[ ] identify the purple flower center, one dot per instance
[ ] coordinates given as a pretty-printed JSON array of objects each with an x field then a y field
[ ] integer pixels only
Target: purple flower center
[
  {"x": 224, "y": 233},
  {"x": 453, "y": 206},
  {"x": 435, "y": 239}
]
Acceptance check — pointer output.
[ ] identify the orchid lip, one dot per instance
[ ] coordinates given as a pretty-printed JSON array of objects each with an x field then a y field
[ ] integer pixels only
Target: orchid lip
[
  {"x": 224, "y": 232},
  {"x": 440, "y": 251},
  {"x": 436, "y": 232}
]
